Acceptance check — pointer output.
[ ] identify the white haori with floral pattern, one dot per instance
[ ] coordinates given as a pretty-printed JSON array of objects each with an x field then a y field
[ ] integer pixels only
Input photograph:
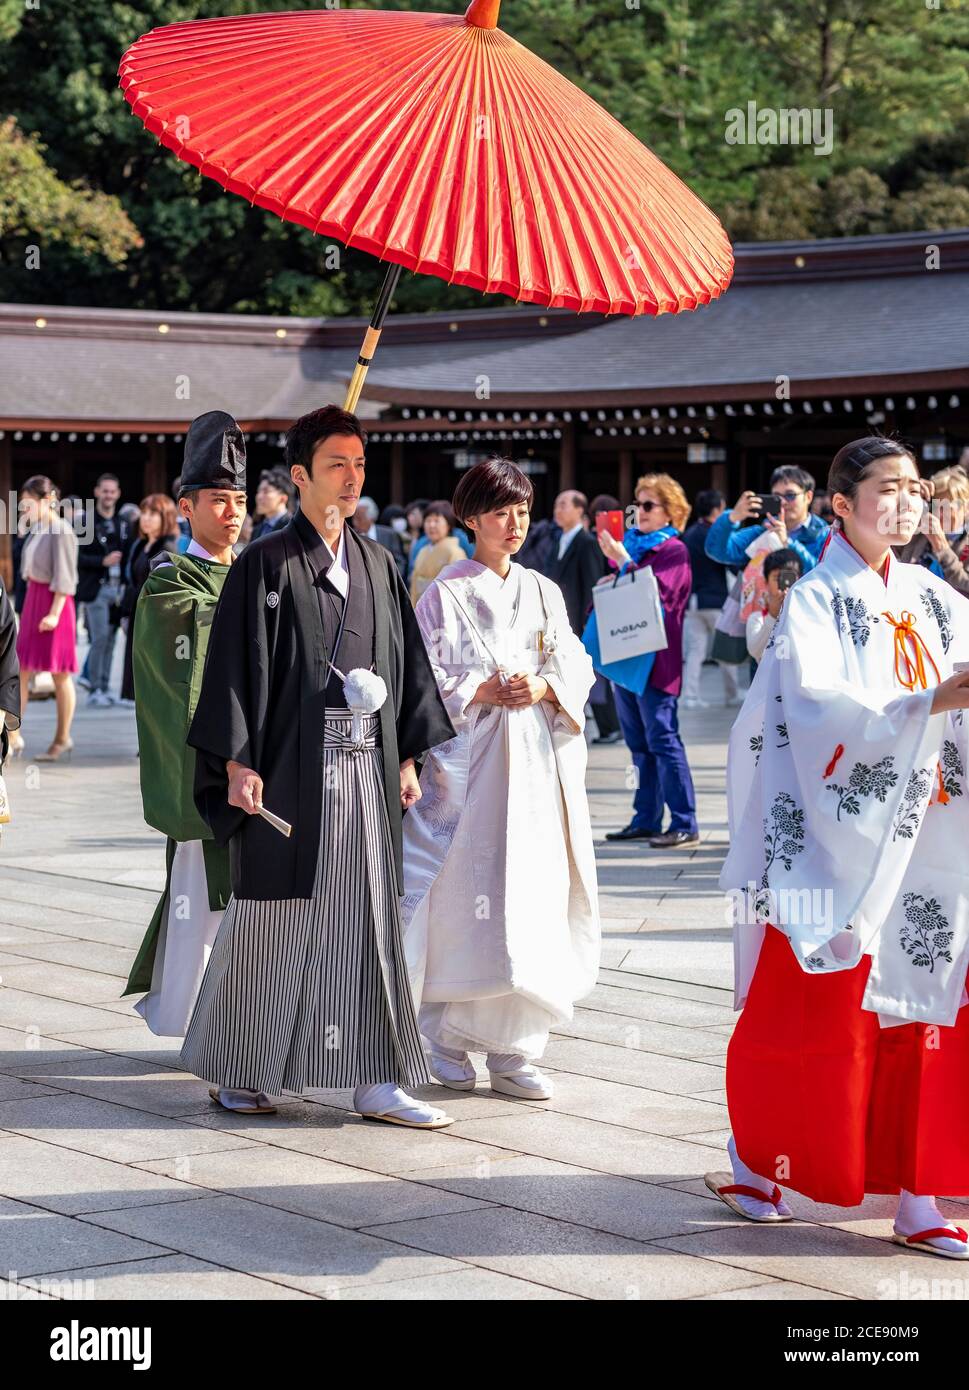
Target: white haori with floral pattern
[{"x": 848, "y": 803}]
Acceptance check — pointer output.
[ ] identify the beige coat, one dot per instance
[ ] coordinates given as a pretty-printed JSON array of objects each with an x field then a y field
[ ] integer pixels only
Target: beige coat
[
  {"x": 430, "y": 561},
  {"x": 50, "y": 556}
]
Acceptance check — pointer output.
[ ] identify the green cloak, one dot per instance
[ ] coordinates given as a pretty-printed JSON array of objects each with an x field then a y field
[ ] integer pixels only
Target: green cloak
[{"x": 170, "y": 638}]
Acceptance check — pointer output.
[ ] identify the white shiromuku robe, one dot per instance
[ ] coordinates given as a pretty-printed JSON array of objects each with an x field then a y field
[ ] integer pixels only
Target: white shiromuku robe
[
  {"x": 848, "y": 801},
  {"x": 184, "y": 943},
  {"x": 501, "y": 920}
]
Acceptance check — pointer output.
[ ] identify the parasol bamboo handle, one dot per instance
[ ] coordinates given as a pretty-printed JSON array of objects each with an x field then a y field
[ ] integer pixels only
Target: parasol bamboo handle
[{"x": 371, "y": 337}]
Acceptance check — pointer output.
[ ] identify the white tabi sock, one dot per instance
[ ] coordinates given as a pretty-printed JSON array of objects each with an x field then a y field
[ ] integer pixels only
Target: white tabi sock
[
  {"x": 450, "y": 1054},
  {"x": 747, "y": 1176},
  {"x": 922, "y": 1214},
  {"x": 387, "y": 1096},
  {"x": 507, "y": 1062}
]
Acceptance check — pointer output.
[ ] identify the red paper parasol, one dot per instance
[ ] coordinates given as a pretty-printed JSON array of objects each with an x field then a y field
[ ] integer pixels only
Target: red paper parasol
[{"x": 438, "y": 143}]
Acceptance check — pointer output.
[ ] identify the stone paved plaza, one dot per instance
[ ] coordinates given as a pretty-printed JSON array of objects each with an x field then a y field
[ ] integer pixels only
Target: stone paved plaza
[{"x": 117, "y": 1172}]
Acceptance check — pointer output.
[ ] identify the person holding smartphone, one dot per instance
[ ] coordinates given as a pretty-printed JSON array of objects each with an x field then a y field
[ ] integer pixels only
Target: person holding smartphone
[
  {"x": 650, "y": 721},
  {"x": 793, "y": 522},
  {"x": 782, "y": 568}
]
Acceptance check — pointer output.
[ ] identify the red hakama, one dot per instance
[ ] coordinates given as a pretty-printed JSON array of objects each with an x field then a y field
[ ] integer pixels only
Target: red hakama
[{"x": 827, "y": 1102}]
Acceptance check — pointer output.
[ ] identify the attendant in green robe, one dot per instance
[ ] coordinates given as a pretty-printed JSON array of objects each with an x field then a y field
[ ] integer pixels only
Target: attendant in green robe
[{"x": 170, "y": 638}]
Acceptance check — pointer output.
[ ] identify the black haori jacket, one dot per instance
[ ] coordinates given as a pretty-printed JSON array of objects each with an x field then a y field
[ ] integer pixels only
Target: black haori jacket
[{"x": 263, "y": 697}]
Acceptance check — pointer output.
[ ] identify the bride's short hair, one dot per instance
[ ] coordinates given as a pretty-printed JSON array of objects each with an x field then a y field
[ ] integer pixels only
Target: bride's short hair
[{"x": 488, "y": 485}]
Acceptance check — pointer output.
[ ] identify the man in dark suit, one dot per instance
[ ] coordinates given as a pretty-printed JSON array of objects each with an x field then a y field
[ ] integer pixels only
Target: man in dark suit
[
  {"x": 274, "y": 495},
  {"x": 101, "y": 562},
  {"x": 365, "y": 524},
  {"x": 576, "y": 562}
]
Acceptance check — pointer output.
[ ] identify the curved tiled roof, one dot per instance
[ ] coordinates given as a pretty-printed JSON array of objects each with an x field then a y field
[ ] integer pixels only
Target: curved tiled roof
[{"x": 856, "y": 311}]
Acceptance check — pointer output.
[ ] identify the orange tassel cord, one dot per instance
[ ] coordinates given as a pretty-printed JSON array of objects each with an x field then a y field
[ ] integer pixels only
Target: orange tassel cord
[{"x": 909, "y": 647}]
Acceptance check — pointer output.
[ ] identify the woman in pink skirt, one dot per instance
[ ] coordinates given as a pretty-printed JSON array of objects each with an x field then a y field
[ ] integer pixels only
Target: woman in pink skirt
[{"x": 47, "y": 640}]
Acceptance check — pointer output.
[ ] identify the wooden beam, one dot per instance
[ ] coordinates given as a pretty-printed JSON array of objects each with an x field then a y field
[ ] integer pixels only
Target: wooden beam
[
  {"x": 397, "y": 472},
  {"x": 155, "y": 471},
  {"x": 567, "y": 457},
  {"x": 624, "y": 483}
]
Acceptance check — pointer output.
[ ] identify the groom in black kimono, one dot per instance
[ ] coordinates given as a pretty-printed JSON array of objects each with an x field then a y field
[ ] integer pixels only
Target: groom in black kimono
[{"x": 307, "y": 982}]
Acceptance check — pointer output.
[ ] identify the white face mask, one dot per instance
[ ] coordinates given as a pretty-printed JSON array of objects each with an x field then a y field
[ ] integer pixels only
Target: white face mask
[{"x": 399, "y": 523}]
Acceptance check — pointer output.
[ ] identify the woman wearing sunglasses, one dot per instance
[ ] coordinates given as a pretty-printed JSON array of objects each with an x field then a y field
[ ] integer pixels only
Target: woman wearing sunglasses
[{"x": 649, "y": 721}]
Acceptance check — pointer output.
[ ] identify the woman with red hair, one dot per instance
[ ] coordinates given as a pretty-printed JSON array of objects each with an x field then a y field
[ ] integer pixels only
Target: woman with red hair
[{"x": 650, "y": 722}]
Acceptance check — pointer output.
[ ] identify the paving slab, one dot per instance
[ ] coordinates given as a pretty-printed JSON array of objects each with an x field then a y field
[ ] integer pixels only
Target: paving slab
[
  {"x": 36, "y": 1241},
  {"x": 311, "y": 1186},
  {"x": 303, "y": 1253},
  {"x": 45, "y": 1176},
  {"x": 562, "y": 1255}
]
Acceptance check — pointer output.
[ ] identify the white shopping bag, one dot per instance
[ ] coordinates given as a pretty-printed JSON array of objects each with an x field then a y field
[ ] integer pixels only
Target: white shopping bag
[{"x": 629, "y": 616}]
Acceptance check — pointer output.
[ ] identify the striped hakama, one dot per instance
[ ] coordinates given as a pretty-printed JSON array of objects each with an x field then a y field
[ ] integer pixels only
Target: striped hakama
[{"x": 313, "y": 992}]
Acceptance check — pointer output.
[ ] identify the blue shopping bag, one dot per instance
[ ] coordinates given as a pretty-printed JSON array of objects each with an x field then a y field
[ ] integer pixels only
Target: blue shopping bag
[{"x": 632, "y": 674}]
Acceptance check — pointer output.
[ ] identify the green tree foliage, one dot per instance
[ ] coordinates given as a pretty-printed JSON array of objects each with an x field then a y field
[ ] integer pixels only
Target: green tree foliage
[
  {"x": 85, "y": 223},
  {"x": 893, "y": 74}
]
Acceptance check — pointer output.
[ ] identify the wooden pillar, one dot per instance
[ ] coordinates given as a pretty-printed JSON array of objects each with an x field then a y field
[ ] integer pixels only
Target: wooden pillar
[
  {"x": 397, "y": 473},
  {"x": 566, "y": 457},
  {"x": 155, "y": 472},
  {"x": 10, "y": 513},
  {"x": 65, "y": 467},
  {"x": 625, "y": 480},
  {"x": 718, "y": 480}
]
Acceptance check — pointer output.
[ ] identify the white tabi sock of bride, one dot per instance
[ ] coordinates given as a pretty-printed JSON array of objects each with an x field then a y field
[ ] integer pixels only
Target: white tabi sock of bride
[
  {"x": 506, "y": 1061},
  {"x": 450, "y": 1054},
  {"x": 747, "y": 1176},
  {"x": 922, "y": 1214}
]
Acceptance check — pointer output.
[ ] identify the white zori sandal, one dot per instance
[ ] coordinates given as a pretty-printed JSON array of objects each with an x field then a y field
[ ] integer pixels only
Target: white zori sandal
[
  {"x": 242, "y": 1102},
  {"x": 922, "y": 1241},
  {"x": 513, "y": 1076},
  {"x": 394, "y": 1106},
  {"x": 457, "y": 1074},
  {"x": 727, "y": 1190}
]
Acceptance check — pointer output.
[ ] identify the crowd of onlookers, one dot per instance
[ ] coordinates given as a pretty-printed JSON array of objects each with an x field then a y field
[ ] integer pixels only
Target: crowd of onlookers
[{"x": 722, "y": 575}]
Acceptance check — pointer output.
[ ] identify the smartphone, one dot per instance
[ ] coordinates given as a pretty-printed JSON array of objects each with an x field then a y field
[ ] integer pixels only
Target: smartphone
[
  {"x": 612, "y": 522},
  {"x": 769, "y": 504}
]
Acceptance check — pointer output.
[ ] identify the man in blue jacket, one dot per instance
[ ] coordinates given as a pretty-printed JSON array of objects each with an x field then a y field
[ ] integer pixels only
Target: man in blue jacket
[{"x": 797, "y": 526}]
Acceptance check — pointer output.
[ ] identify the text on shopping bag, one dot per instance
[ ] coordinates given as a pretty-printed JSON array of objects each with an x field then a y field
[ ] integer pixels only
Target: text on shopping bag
[{"x": 629, "y": 616}]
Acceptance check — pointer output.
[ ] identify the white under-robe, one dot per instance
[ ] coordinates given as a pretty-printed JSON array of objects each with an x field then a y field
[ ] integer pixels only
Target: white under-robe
[
  {"x": 501, "y": 920},
  {"x": 184, "y": 943}
]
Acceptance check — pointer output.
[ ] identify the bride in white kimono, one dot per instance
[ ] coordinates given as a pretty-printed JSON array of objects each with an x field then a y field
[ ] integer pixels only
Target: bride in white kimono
[
  {"x": 500, "y": 908},
  {"x": 849, "y": 822}
]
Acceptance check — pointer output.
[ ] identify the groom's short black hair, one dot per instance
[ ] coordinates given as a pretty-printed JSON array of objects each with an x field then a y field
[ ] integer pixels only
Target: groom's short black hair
[
  {"x": 309, "y": 430},
  {"x": 489, "y": 485}
]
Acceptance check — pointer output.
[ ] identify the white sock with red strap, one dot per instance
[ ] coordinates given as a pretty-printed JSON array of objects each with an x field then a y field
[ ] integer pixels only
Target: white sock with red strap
[
  {"x": 742, "y": 1175},
  {"x": 921, "y": 1215}
]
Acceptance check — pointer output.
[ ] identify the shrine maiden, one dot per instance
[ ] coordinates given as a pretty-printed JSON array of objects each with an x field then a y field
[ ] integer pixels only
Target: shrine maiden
[
  {"x": 849, "y": 829},
  {"x": 500, "y": 904}
]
